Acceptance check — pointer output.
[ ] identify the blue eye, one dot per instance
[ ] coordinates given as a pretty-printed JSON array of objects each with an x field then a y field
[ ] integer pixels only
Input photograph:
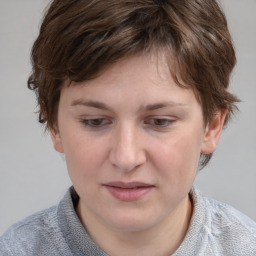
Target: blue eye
[{"x": 96, "y": 122}]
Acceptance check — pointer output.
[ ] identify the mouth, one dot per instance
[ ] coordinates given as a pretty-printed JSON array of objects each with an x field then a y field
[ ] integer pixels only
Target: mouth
[{"x": 131, "y": 191}]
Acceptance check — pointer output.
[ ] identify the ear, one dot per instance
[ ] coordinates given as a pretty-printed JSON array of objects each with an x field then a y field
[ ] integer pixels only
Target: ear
[
  {"x": 213, "y": 132},
  {"x": 56, "y": 140}
]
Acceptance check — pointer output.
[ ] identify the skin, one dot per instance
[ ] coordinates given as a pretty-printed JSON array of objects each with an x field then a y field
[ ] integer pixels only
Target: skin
[{"x": 134, "y": 124}]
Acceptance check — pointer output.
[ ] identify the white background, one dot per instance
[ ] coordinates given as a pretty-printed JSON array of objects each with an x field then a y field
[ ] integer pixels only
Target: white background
[{"x": 33, "y": 176}]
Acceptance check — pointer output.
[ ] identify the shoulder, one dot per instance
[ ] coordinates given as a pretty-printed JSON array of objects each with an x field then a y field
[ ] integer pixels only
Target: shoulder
[
  {"x": 27, "y": 235},
  {"x": 43, "y": 233},
  {"x": 227, "y": 229},
  {"x": 230, "y": 219}
]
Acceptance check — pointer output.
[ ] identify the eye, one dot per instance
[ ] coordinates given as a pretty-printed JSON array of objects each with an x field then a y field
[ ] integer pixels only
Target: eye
[
  {"x": 159, "y": 122},
  {"x": 96, "y": 122}
]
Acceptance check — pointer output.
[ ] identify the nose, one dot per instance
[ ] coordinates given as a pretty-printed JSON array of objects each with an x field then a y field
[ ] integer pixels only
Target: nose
[{"x": 127, "y": 152}]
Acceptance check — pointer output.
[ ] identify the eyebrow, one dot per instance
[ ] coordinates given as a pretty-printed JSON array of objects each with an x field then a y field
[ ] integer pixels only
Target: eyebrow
[
  {"x": 90, "y": 103},
  {"x": 103, "y": 106},
  {"x": 155, "y": 106}
]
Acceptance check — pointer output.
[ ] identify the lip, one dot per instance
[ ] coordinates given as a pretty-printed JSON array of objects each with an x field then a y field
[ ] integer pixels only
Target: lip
[{"x": 130, "y": 191}]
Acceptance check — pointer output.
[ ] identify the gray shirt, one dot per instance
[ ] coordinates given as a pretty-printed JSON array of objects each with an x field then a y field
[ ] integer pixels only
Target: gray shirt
[{"x": 215, "y": 229}]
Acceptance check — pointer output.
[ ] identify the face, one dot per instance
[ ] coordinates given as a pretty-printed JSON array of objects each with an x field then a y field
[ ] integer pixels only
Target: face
[{"x": 132, "y": 140}]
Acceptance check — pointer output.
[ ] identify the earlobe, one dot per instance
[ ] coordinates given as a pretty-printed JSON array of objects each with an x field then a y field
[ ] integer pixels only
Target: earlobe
[
  {"x": 213, "y": 132},
  {"x": 56, "y": 140}
]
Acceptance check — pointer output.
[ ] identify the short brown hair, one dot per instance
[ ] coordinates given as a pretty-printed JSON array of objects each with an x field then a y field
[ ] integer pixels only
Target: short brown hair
[{"x": 78, "y": 39}]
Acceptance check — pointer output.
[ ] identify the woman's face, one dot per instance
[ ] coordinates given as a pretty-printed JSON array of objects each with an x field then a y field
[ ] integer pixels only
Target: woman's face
[{"x": 132, "y": 140}]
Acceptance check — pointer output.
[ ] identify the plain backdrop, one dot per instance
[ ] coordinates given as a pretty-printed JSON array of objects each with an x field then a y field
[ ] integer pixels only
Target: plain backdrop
[{"x": 33, "y": 176}]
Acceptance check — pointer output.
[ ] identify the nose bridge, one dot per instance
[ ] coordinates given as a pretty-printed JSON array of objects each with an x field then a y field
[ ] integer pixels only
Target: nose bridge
[{"x": 127, "y": 151}]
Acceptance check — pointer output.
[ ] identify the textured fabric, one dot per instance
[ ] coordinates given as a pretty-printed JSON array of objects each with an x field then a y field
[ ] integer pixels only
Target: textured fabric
[{"x": 215, "y": 229}]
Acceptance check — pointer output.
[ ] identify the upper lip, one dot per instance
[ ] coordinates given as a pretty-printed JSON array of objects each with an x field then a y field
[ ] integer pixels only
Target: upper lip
[{"x": 134, "y": 184}]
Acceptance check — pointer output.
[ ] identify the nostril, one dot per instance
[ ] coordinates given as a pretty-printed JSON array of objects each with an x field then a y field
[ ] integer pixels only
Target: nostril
[{"x": 127, "y": 162}]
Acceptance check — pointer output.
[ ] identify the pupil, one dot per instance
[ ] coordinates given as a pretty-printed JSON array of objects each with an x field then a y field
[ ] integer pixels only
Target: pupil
[
  {"x": 96, "y": 121},
  {"x": 159, "y": 121}
]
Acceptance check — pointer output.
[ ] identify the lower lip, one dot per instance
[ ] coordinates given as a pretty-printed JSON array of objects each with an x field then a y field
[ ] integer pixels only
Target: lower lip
[{"x": 129, "y": 195}]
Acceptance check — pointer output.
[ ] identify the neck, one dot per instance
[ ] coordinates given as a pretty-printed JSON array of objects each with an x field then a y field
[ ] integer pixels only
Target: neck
[{"x": 163, "y": 239}]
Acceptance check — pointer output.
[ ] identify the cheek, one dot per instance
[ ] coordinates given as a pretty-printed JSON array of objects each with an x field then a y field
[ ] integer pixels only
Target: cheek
[
  {"x": 83, "y": 157},
  {"x": 177, "y": 158}
]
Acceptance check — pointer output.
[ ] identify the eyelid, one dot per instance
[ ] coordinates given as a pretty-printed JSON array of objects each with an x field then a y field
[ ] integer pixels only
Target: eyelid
[
  {"x": 166, "y": 120},
  {"x": 89, "y": 122},
  {"x": 97, "y": 122}
]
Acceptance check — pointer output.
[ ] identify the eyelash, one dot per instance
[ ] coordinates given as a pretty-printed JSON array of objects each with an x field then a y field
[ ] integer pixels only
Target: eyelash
[
  {"x": 157, "y": 123},
  {"x": 100, "y": 122}
]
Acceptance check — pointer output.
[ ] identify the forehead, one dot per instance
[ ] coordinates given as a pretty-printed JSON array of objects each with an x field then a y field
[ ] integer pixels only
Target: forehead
[{"x": 142, "y": 79}]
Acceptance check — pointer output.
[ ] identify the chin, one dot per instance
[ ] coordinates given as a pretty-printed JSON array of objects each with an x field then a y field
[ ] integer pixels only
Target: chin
[{"x": 133, "y": 222}]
